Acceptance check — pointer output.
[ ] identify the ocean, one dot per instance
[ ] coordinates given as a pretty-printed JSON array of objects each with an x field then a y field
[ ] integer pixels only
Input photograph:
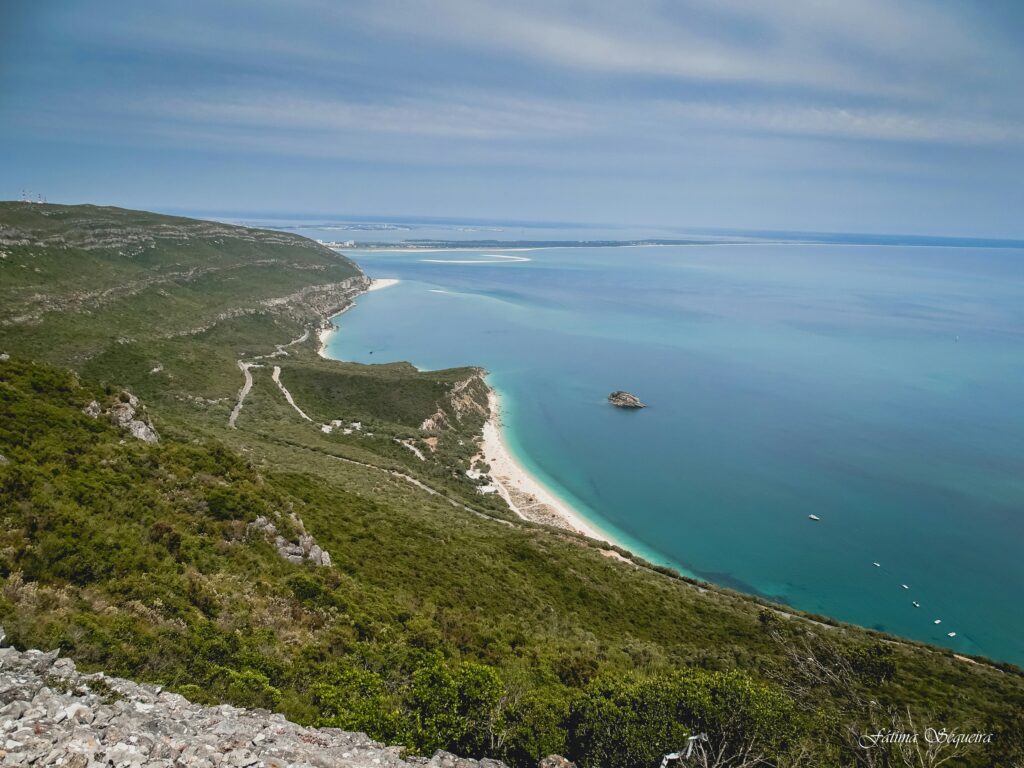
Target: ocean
[{"x": 879, "y": 387}]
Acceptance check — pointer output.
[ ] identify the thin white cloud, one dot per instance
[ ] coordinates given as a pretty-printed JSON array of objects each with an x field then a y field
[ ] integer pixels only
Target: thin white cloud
[
  {"x": 626, "y": 42},
  {"x": 506, "y": 119},
  {"x": 477, "y": 116},
  {"x": 869, "y": 47},
  {"x": 873, "y": 69},
  {"x": 846, "y": 123},
  {"x": 485, "y": 129}
]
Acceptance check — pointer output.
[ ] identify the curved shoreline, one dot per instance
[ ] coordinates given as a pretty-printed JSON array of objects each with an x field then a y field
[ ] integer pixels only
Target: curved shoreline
[
  {"x": 328, "y": 329},
  {"x": 526, "y": 495}
]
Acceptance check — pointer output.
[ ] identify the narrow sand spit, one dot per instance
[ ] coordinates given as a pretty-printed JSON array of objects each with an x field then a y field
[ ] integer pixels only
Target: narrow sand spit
[{"x": 384, "y": 282}]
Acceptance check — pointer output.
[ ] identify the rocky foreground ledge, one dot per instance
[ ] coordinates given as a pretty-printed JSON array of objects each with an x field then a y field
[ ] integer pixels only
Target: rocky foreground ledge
[{"x": 50, "y": 715}]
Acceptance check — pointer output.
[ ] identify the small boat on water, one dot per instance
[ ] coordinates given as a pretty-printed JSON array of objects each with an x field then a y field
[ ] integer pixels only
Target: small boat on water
[
  {"x": 877, "y": 565},
  {"x": 813, "y": 517},
  {"x": 916, "y": 604},
  {"x": 938, "y": 621},
  {"x": 904, "y": 586},
  {"x": 951, "y": 634}
]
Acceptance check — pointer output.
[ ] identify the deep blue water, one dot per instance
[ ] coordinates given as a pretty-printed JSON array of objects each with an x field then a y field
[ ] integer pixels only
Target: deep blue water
[{"x": 880, "y": 388}]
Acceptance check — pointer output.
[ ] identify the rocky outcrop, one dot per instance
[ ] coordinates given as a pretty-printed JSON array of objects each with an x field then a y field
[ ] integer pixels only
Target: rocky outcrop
[
  {"x": 555, "y": 761},
  {"x": 322, "y": 300},
  {"x": 294, "y": 551},
  {"x": 312, "y": 304},
  {"x": 468, "y": 396},
  {"x": 622, "y": 399},
  {"x": 126, "y": 414},
  {"x": 51, "y": 715}
]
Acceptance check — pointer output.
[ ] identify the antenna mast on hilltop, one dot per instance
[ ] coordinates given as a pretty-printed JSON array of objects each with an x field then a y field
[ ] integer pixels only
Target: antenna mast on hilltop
[{"x": 26, "y": 197}]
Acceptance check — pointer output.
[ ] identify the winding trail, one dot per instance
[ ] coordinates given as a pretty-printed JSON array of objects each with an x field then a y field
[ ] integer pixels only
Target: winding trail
[
  {"x": 632, "y": 561},
  {"x": 247, "y": 385},
  {"x": 242, "y": 392},
  {"x": 408, "y": 444},
  {"x": 282, "y": 347},
  {"x": 424, "y": 487},
  {"x": 276, "y": 376}
]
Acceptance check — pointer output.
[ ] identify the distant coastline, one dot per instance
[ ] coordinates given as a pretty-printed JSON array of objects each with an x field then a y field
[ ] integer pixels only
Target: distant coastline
[{"x": 734, "y": 239}]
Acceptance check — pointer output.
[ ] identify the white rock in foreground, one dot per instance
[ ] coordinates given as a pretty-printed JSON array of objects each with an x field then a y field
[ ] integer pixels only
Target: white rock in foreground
[{"x": 51, "y": 715}]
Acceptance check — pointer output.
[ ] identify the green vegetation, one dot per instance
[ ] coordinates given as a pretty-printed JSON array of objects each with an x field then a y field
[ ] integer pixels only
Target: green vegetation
[{"x": 440, "y": 623}]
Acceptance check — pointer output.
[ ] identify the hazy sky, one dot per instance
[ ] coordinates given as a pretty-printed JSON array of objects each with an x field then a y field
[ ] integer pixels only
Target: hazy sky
[{"x": 849, "y": 115}]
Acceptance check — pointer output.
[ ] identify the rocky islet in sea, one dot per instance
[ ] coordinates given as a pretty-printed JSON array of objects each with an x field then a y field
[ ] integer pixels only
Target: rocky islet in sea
[{"x": 621, "y": 399}]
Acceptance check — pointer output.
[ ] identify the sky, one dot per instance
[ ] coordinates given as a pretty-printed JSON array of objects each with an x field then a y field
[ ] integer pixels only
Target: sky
[{"x": 893, "y": 116}]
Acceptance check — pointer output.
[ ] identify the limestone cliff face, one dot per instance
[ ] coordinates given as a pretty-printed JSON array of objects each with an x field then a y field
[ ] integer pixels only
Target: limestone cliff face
[
  {"x": 50, "y": 714},
  {"x": 299, "y": 549},
  {"x": 467, "y": 397},
  {"x": 314, "y": 304},
  {"x": 323, "y": 300},
  {"x": 126, "y": 413}
]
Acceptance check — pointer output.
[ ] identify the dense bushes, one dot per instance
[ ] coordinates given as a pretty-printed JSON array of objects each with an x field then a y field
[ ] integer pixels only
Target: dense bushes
[
  {"x": 630, "y": 723},
  {"x": 433, "y": 633}
]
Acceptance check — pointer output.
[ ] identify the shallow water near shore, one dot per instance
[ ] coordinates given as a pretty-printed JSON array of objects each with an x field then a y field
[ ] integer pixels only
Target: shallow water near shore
[{"x": 879, "y": 388}]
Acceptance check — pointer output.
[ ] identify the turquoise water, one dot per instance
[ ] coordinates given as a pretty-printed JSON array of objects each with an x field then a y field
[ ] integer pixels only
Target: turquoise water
[{"x": 880, "y": 388}]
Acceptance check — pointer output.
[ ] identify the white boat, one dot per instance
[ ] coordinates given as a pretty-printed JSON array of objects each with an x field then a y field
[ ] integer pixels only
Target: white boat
[
  {"x": 904, "y": 586},
  {"x": 813, "y": 517},
  {"x": 877, "y": 565},
  {"x": 916, "y": 604},
  {"x": 938, "y": 621},
  {"x": 951, "y": 634}
]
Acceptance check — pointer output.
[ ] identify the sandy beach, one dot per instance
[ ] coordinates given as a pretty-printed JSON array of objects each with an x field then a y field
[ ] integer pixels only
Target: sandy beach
[
  {"x": 527, "y": 497},
  {"x": 326, "y": 331}
]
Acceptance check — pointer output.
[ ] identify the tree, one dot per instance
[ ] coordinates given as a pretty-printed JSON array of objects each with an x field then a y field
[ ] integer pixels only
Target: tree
[
  {"x": 632, "y": 723},
  {"x": 357, "y": 699},
  {"x": 454, "y": 708}
]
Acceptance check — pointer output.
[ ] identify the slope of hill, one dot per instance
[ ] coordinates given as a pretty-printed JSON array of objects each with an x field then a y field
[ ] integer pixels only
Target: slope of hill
[{"x": 437, "y": 619}]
